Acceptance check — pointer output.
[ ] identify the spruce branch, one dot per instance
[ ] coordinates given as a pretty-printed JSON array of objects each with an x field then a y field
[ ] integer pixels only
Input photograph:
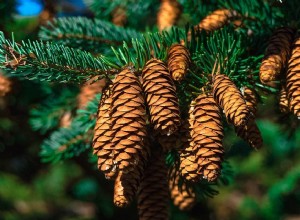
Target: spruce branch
[
  {"x": 150, "y": 45},
  {"x": 36, "y": 60},
  {"x": 83, "y": 33},
  {"x": 69, "y": 142},
  {"x": 224, "y": 46}
]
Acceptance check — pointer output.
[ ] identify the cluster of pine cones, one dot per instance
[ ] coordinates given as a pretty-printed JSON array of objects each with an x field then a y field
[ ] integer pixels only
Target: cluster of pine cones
[
  {"x": 139, "y": 120},
  {"x": 280, "y": 63}
]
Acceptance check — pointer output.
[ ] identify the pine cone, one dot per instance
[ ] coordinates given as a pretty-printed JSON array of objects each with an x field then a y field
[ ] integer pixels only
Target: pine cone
[
  {"x": 276, "y": 55},
  {"x": 119, "y": 16},
  {"x": 161, "y": 97},
  {"x": 231, "y": 100},
  {"x": 126, "y": 186},
  {"x": 5, "y": 85},
  {"x": 250, "y": 97},
  {"x": 251, "y": 134},
  {"x": 168, "y": 14},
  {"x": 102, "y": 145},
  {"x": 292, "y": 80},
  {"x": 206, "y": 136},
  {"x": 128, "y": 122},
  {"x": 188, "y": 165},
  {"x": 183, "y": 196},
  {"x": 217, "y": 19},
  {"x": 178, "y": 61},
  {"x": 283, "y": 101},
  {"x": 153, "y": 196},
  {"x": 249, "y": 131},
  {"x": 88, "y": 92}
]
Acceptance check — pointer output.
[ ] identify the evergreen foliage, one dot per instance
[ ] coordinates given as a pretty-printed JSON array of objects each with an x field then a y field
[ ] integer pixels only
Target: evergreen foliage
[
  {"x": 77, "y": 49},
  {"x": 86, "y": 34}
]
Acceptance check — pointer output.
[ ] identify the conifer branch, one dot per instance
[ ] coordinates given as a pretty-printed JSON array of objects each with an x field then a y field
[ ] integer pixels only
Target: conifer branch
[
  {"x": 69, "y": 142},
  {"x": 51, "y": 62},
  {"x": 150, "y": 45},
  {"x": 223, "y": 46},
  {"x": 83, "y": 33}
]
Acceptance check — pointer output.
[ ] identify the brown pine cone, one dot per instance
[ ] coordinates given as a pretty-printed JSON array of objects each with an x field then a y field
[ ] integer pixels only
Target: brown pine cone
[
  {"x": 88, "y": 92},
  {"x": 5, "y": 85},
  {"x": 206, "y": 136},
  {"x": 153, "y": 195},
  {"x": 183, "y": 196},
  {"x": 250, "y": 97},
  {"x": 188, "y": 165},
  {"x": 276, "y": 55},
  {"x": 126, "y": 186},
  {"x": 292, "y": 80},
  {"x": 251, "y": 134},
  {"x": 119, "y": 16},
  {"x": 178, "y": 61},
  {"x": 283, "y": 101},
  {"x": 161, "y": 97},
  {"x": 102, "y": 145},
  {"x": 128, "y": 122},
  {"x": 231, "y": 100},
  {"x": 249, "y": 131},
  {"x": 168, "y": 14},
  {"x": 217, "y": 19}
]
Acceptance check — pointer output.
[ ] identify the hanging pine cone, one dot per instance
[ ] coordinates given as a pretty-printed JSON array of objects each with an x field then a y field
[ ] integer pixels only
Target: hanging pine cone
[
  {"x": 250, "y": 97},
  {"x": 161, "y": 97},
  {"x": 126, "y": 186},
  {"x": 5, "y": 85},
  {"x": 178, "y": 61},
  {"x": 153, "y": 195},
  {"x": 217, "y": 19},
  {"x": 251, "y": 134},
  {"x": 206, "y": 136},
  {"x": 249, "y": 131},
  {"x": 188, "y": 165},
  {"x": 119, "y": 16},
  {"x": 283, "y": 101},
  {"x": 292, "y": 80},
  {"x": 88, "y": 92},
  {"x": 128, "y": 122},
  {"x": 231, "y": 100},
  {"x": 102, "y": 145},
  {"x": 183, "y": 196},
  {"x": 168, "y": 14},
  {"x": 276, "y": 55}
]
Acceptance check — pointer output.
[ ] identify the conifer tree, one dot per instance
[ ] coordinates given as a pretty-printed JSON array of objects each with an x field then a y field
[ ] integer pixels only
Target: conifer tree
[{"x": 167, "y": 89}]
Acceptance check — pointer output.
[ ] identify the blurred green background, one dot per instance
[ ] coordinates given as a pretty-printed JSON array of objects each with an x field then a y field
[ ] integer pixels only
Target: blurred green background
[{"x": 265, "y": 184}]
